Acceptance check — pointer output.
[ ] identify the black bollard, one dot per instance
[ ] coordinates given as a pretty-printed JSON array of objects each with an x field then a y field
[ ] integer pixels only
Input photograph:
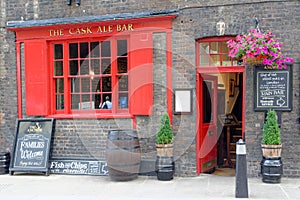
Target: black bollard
[{"x": 241, "y": 181}]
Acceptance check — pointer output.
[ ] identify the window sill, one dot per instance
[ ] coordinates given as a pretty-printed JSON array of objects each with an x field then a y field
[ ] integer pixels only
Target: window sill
[{"x": 91, "y": 116}]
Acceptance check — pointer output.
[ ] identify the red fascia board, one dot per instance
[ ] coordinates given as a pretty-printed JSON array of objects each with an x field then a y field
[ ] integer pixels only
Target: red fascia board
[{"x": 148, "y": 23}]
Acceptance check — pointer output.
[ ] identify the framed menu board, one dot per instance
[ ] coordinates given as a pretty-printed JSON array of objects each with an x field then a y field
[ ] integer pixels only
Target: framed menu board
[
  {"x": 32, "y": 145},
  {"x": 273, "y": 89}
]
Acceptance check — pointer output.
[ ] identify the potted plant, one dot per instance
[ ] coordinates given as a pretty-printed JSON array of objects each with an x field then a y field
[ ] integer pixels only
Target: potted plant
[
  {"x": 257, "y": 47},
  {"x": 271, "y": 164},
  {"x": 164, "y": 146},
  {"x": 271, "y": 140}
]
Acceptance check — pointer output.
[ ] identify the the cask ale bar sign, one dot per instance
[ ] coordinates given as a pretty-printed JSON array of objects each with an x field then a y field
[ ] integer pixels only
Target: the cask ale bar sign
[
  {"x": 273, "y": 89},
  {"x": 32, "y": 145}
]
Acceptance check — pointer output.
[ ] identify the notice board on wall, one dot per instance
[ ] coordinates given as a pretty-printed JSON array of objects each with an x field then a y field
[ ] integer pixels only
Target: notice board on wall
[
  {"x": 32, "y": 145},
  {"x": 273, "y": 89}
]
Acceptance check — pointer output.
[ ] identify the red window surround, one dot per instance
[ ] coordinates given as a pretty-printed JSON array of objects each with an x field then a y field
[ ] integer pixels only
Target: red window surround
[{"x": 41, "y": 76}]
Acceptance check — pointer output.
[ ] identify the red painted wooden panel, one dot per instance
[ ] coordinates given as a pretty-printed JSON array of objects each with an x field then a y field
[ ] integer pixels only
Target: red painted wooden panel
[
  {"x": 36, "y": 76},
  {"x": 141, "y": 74}
]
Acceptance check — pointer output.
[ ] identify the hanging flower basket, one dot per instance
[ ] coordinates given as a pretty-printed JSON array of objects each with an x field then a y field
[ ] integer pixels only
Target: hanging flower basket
[
  {"x": 253, "y": 61},
  {"x": 256, "y": 48}
]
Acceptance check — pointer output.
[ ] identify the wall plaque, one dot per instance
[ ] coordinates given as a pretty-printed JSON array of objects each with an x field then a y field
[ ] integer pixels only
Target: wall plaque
[
  {"x": 183, "y": 101},
  {"x": 32, "y": 145},
  {"x": 273, "y": 89}
]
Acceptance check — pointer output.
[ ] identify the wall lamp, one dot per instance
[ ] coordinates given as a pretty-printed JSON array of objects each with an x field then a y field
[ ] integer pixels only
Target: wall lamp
[{"x": 69, "y": 2}]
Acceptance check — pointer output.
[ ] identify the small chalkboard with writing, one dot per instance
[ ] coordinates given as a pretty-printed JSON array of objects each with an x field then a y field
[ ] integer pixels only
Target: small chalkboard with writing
[
  {"x": 228, "y": 119},
  {"x": 273, "y": 89},
  {"x": 78, "y": 167},
  {"x": 32, "y": 145}
]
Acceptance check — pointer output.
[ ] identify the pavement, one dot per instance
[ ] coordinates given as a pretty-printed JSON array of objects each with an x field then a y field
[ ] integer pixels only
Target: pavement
[{"x": 79, "y": 187}]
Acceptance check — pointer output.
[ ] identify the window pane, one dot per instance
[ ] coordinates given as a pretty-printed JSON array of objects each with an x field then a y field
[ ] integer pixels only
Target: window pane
[
  {"x": 226, "y": 60},
  {"x": 104, "y": 96},
  {"x": 94, "y": 50},
  {"x": 95, "y": 66},
  {"x": 215, "y": 60},
  {"x": 106, "y": 84},
  {"x": 73, "y": 67},
  {"x": 97, "y": 101},
  {"x": 85, "y": 84},
  {"x": 75, "y": 99},
  {"x": 59, "y": 85},
  {"x": 105, "y": 49},
  {"x": 58, "y": 68},
  {"x": 84, "y": 67},
  {"x": 85, "y": 98},
  {"x": 84, "y": 50},
  {"x": 58, "y": 51},
  {"x": 106, "y": 66},
  {"x": 204, "y": 60},
  {"x": 122, "y": 65},
  {"x": 207, "y": 101},
  {"x": 204, "y": 48},
  {"x": 96, "y": 84},
  {"x": 123, "y": 100},
  {"x": 59, "y": 102},
  {"x": 75, "y": 85},
  {"x": 214, "y": 48},
  {"x": 73, "y": 50},
  {"x": 122, "y": 47},
  {"x": 225, "y": 49},
  {"x": 86, "y": 103},
  {"x": 123, "y": 83}
]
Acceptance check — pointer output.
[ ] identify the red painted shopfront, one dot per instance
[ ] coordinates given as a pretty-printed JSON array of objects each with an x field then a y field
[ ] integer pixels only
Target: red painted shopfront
[{"x": 70, "y": 69}]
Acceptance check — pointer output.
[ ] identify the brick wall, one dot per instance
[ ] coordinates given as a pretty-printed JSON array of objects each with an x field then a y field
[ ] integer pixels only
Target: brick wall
[
  {"x": 78, "y": 138},
  {"x": 196, "y": 19}
]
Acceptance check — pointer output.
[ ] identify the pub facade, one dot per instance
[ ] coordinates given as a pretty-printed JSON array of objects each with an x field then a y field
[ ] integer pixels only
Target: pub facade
[{"x": 145, "y": 59}]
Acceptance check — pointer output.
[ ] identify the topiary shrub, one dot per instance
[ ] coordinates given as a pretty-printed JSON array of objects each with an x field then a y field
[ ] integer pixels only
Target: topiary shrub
[
  {"x": 271, "y": 130},
  {"x": 164, "y": 135}
]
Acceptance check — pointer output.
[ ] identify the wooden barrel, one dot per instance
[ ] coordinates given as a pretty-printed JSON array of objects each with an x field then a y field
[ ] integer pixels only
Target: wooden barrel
[
  {"x": 4, "y": 162},
  {"x": 123, "y": 155},
  {"x": 271, "y": 169},
  {"x": 165, "y": 168}
]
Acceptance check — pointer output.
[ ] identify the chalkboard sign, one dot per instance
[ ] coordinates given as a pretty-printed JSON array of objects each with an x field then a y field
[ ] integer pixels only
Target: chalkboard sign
[
  {"x": 32, "y": 145},
  {"x": 78, "y": 167},
  {"x": 228, "y": 119},
  {"x": 273, "y": 89}
]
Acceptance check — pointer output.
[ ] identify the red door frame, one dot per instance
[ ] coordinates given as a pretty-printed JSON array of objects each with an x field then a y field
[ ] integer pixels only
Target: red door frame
[{"x": 205, "y": 70}]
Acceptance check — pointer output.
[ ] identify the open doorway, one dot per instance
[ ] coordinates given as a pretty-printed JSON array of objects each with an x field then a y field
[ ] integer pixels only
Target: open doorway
[{"x": 220, "y": 121}]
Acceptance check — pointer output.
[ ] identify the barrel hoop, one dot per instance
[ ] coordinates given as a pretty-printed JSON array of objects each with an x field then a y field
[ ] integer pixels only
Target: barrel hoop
[
  {"x": 124, "y": 148},
  {"x": 122, "y": 138},
  {"x": 125, "y": 165}
]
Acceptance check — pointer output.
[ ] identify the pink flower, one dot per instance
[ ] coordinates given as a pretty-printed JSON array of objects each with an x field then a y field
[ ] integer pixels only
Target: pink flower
[
  {"x": 288, "y": 59},
  {"x": 258, "y": 45}
]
